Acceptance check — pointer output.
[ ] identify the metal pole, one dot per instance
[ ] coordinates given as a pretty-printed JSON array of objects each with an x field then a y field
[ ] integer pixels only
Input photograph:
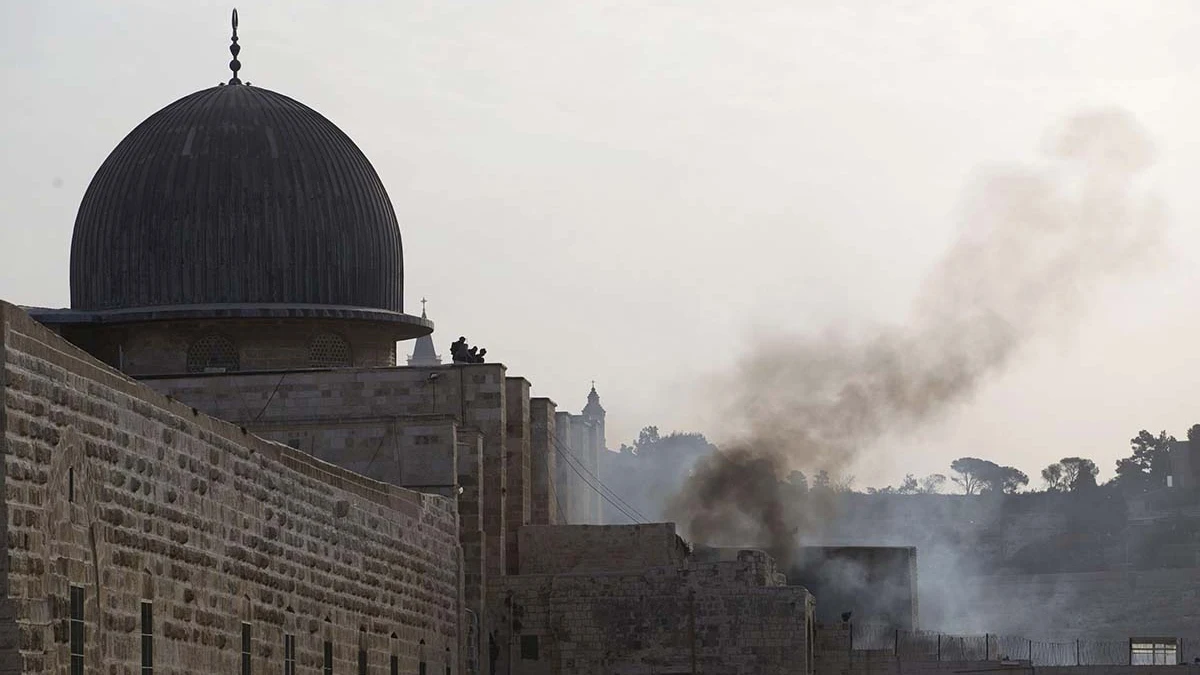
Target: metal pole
[{"x": 987, "y": 647}]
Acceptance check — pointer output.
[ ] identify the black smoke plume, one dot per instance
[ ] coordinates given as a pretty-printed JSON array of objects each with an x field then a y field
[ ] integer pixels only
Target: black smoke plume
[{"x": 1033, "y": 244}]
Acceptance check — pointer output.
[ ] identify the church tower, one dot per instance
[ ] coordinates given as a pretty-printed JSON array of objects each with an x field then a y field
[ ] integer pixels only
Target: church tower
[
  {"x": 594, "y": 413},
  {"x": 423, "y": 352}
]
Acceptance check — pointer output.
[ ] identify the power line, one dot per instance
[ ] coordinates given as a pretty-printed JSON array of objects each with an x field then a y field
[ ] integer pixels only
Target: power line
[
  {"x": 615, "y": 500},
  {"x": 600, "y": 482},
  {"x": 562, "y": 517},
  {"x": 615, "y": 505}
]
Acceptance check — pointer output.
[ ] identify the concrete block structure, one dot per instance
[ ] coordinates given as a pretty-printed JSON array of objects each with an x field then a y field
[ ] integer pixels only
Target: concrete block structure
[{"x": 629, "y": 599}]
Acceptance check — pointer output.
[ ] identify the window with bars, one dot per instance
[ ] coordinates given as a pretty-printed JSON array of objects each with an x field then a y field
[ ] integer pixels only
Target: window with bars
[
  {"x": 147, "y": 638},
  {"x": 77, "y": 629},
  {"x": 1153, "y": 652},
  {"x": 328, "y": 669},
  {"x": 328, "y": 350},
  {"x": 289, "y": 655},
  {"x": 529, "y": 647},
  {"x": 213, "y": 354},
  {"x": 245, "y": 649}
]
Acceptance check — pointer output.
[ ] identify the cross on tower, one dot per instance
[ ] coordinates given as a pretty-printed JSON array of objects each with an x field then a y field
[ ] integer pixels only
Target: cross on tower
[{"x": 422, "y": 305}]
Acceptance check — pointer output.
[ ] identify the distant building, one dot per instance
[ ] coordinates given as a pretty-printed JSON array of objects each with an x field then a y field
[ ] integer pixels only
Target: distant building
[{"x": 423, "y": 352}]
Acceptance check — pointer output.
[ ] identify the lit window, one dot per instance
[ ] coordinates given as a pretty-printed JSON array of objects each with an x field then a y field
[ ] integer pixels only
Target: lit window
[
  {"x": 1153, "y": 652},
  {"x": 212, "y": 354},
  {"x": 329, "y": 351}
]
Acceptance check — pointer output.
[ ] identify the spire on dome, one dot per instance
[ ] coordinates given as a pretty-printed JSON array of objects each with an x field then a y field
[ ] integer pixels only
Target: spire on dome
[
  {"x": 234, "y": 49},
  {"x": 593, "y": 407},
  {"x": 423, "y": 352}
]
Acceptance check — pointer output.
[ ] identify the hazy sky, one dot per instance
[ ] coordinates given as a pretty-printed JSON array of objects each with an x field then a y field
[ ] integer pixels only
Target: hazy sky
[{"x": 630, "y": 191}]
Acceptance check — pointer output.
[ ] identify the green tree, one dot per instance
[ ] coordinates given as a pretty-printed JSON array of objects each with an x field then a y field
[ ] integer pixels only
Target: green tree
[
  {"x": 972, "y": 474},
  {"x": 978, "y": 476},
  {"x": 1147, "y": 466},
  {"x": 1070, "y": 474},
  {"x": 932, "y": 484},
  {"x": 1079, "y": 473},
  {"x": 1007, "y": 480},
  {"x": 1053, "y": 476}
]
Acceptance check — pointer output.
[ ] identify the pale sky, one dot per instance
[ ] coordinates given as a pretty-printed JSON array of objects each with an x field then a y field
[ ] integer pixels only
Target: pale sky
[{"x": 627, "y": 192}]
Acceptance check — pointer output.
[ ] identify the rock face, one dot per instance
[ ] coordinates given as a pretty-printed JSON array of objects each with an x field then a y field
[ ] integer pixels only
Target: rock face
[{"x": 232, "y": 546}]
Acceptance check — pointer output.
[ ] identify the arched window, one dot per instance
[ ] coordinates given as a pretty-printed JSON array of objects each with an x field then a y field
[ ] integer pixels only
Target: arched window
[
  {"x": 329, "y": 351},
  {"x": 212, "y": 354}
]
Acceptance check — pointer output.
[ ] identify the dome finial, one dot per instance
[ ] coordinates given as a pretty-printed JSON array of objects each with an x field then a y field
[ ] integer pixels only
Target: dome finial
[
  {"x": 423, "y": 309},
  {"x": 234, "y": 49}
]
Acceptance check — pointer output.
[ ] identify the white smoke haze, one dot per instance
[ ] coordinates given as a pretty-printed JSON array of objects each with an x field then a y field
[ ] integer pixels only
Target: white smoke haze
[{"x": 1034, "y": 246}]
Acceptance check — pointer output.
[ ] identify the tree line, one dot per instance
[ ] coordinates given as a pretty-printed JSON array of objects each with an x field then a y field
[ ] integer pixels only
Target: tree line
[{"x": 1145, "y": 469}]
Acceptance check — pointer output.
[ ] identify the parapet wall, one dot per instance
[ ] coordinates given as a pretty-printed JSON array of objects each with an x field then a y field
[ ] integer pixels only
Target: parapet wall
[
  {"x": 724, "y": 617},
  {"x": 135, "y": 498},
  {"x": 578, "y": 549}
]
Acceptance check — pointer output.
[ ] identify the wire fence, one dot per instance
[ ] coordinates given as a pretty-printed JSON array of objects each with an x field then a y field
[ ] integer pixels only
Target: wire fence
[{"x": 933, "y": 646}]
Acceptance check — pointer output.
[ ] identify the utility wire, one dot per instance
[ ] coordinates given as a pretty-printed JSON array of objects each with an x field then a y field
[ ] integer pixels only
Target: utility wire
[
  {"x": 615, "y": 500},
  {"x": 612, "y": 492},
  {"x": 615, "y": 505},
  {"x": 562, "y": 517}
]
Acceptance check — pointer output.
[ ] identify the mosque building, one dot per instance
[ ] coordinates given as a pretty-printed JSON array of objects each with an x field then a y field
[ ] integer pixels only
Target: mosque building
[{"x": 215, "y": 462}]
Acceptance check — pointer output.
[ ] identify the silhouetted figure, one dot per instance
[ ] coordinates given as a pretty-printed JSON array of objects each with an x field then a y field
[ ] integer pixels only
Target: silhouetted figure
[
  {"x": 458, "y": 350},
  {"x": 461, "y": 353}
]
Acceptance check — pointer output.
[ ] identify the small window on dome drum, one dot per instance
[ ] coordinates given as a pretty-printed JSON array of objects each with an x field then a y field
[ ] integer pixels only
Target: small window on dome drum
[
  {"x": 329, "y": 351},
  {"x": 212, "y": 354}
]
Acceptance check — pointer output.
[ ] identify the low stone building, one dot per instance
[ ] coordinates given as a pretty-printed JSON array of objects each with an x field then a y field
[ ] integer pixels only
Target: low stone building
[{"x": 632, "y": 600}]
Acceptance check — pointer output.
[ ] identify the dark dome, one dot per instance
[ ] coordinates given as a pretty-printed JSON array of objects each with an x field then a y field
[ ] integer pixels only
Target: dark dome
[{"x": 236, "y": 195}]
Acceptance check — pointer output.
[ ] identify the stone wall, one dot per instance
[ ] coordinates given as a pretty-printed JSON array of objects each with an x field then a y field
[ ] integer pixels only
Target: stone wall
[
  {"x": 517, "y": 447},
  {"x": 544, "y": 501},
  {"x": 567, "y": 479},
  {"x": 161, "y": 348},
  {"x": 135, "y": 498},
  {"x": 580, "y": 459},
  {"x": 582, "y": 549},
  {"x": 726, "y": 617},
  {"x": 345, "y": 412}
]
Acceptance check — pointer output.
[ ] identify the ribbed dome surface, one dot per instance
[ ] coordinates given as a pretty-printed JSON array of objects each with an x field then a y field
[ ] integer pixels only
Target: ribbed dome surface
[{"x": 236, "y": 195}]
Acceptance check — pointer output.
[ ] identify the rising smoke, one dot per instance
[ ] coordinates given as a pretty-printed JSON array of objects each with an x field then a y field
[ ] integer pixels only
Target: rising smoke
[{"x": 1033, "y": 245}]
